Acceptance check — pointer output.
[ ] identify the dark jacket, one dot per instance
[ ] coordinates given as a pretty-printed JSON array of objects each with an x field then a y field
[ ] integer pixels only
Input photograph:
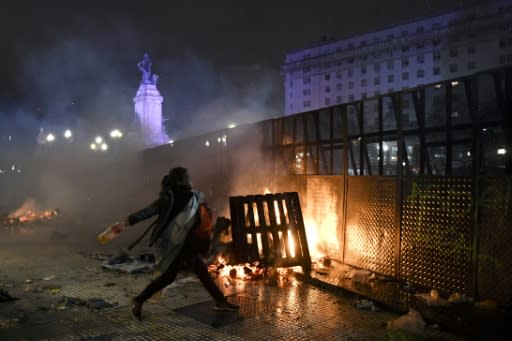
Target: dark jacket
[{"x": 169, "y": 203}]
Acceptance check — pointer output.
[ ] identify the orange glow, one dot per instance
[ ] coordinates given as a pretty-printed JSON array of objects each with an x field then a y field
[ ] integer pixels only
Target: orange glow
[{"x": 291, "y": 244}]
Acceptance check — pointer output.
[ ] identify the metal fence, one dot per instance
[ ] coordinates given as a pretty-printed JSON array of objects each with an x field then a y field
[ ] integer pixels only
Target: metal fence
[{"x": 418, "y": 183}]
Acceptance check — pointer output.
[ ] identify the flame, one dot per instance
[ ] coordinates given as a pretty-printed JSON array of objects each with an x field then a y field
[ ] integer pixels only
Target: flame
[
  {"x": 29, "y": 211},
  {"x": 267, "y": 190},
  {"x": 26, "y": 208}
]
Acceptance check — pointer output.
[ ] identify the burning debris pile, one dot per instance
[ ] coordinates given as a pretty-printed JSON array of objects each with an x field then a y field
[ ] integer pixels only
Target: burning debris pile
[{"x": 26, "y": 214}]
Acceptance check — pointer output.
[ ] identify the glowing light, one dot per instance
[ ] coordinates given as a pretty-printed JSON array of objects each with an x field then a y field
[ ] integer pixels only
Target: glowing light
[
  {"x": 385, "y": 147},
  {"x": 13, "y": 167},
  {"x": 50, "y": 138},
  {"x": 207, "y": 144},
  {"x": 291, "y": 244},
  {"x": 68, "y": 134},
  {"x": 116, "y": 134},
  {"x": 93, "y": 146},
  {"x": 455, "y": 83},
  {"x": 438, "y": 86},
  {"x": 502, "y": 151},
  {"x": 104, "y": 146},
  {"x": 231, "y": 125},
  {"x": 98, "y": 139},
  {"x": 171, "y": 141},
  {"x": 468, "y": 153}
]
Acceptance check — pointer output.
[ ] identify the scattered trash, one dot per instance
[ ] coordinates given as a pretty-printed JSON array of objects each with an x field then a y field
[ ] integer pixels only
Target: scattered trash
[
  {"x": 6, "y": 297},
  {"x": 359, "y": 276},
  {"x": 432, "y": 299},
  {"x": 128, "y": 264},
  {"x": 457, "y": 298},
  {"x": 98, "y": 303},
  {"x": 366, "y": 304},
  {"x": 411, "y": 322}
]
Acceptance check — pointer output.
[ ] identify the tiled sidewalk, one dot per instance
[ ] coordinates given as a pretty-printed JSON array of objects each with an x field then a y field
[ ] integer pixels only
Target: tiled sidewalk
[{"x": 43, "y": 274}]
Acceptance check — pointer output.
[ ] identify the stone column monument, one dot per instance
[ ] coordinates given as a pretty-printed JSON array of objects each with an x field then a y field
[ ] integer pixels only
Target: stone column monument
[{"x": 148, "y": 107}]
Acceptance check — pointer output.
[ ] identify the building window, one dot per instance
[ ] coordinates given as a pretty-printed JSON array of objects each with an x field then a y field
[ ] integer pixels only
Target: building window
[
  {"x": 327, "y": 76},
  {"x": 377, "y": 93},
  {"x": 503, "y": 43},
  {"x": 391, "y": 78},
  {"x": 453, "y": 52},
  {"x": 307, "y": 92},
  {"x": 307, "y": 80},
  {"x": 436, "y": 71},
  {"x": 351, "y": 98},
  {"x": 350, "y": 72},
  {"x": 471, "y": 65},
  {"x": 404, "y": 48},
  {"x": 420, "y": 59},
  {"x": 389, "y": 51},
  {"x": 327, "y": 89},
  {"x": 471, "y": 50},
  {"x": 390, "y": 37},
  {"x": 420, "y": 44},
  {"x": 436, "y": 56},
  {"x": 453, "y": 67},
  {"x": 327, "y": 65},
  {"x": 363, "y": 82},
  {"x": 376, "y": 81},
  {"x": 420, "y": 29},
  {"x": 376, "y": 67},
  {"x": 363, "y": 43},
  {"x": 436, "y": 41},
  {"x": 291, "y": 84},
  {"x": 363, "y": 95},
  {"x": 363, "y": 69},
  {"x": 405, "y": 76},
  {"x": 338, "y": 99},
  {"x": 338, "y": 86},
  {"x": 306, "y": 69},
  {"x": 391, "y": 64},
  {"x": 350, "y": 85},
  {"x": 404, "y": 33},
  {"x": 307, "y": 104},
  {"x": 503, "y": 59},
  {"x": 405, "y": 61},
  {"x": 420, "y": 73},
  {"x": 338, "y": 74},
  {"x": 327, "y": 101}
]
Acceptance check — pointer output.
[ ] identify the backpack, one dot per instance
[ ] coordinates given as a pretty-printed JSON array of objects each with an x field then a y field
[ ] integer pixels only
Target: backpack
[{"x": 205, "y": 221}]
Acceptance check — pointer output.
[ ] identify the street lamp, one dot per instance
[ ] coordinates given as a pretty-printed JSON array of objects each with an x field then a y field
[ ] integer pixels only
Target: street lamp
[
  {"x": 68, "y": 134},
  {"x": 116, "y": 134},
  {"x": 50, "y": 138}
]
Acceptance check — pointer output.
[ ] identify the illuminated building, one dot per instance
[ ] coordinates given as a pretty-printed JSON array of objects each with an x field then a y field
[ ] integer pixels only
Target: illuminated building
[{"x": 420, "y": 52}]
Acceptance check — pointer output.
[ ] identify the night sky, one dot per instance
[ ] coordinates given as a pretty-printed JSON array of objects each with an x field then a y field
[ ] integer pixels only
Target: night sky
[{"x": 218, "y": 61}]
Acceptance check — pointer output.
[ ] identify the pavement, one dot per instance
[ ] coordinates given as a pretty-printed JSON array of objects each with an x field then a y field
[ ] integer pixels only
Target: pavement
[{"x": 64, "y": 293}]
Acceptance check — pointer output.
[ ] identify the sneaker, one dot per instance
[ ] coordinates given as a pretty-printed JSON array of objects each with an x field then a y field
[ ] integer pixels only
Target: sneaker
[
  {"x": 136, "y": 309},
  {"x": 226, "y": 306}
]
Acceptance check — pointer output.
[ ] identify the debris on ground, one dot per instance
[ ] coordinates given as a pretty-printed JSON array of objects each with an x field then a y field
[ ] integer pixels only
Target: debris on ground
[
  {"x": 130, "y": 264},
  {"x": 412, "y": 322},
  {"x": 6, "y": 297}
]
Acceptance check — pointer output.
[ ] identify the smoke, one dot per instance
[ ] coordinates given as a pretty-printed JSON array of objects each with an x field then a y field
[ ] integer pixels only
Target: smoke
[{"x": 84, "y": 78}]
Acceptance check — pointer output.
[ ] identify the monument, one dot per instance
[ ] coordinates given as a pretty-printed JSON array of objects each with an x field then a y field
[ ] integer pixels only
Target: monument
[{"x": 148, "y": 107}]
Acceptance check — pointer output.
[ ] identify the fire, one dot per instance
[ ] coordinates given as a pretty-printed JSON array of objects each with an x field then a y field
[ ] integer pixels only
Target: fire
[
  {"x": 28, "y": 212},
  {"x": 322, "y": 235}
]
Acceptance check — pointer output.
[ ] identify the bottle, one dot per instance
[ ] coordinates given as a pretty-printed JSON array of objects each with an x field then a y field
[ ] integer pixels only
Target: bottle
[{"x": 110, "y": 233}]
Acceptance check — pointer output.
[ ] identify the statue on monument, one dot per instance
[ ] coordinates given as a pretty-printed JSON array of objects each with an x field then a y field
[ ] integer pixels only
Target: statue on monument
[{"x": 144, "y": 67}]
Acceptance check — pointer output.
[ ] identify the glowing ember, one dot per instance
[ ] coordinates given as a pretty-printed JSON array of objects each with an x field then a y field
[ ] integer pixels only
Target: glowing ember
[{"x": 29, "y": 212}]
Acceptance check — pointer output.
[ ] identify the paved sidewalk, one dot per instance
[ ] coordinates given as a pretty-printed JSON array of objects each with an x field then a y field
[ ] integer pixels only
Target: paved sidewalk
[{"x": 66, "y": 295}]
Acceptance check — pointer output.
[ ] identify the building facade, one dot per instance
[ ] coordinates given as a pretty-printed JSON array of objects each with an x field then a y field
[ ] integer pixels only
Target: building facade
[{"x": 425, "y": 51}]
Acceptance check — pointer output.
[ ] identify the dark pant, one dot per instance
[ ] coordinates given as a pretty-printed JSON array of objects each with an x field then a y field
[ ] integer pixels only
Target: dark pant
[{"x": 166, "y": 278}]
